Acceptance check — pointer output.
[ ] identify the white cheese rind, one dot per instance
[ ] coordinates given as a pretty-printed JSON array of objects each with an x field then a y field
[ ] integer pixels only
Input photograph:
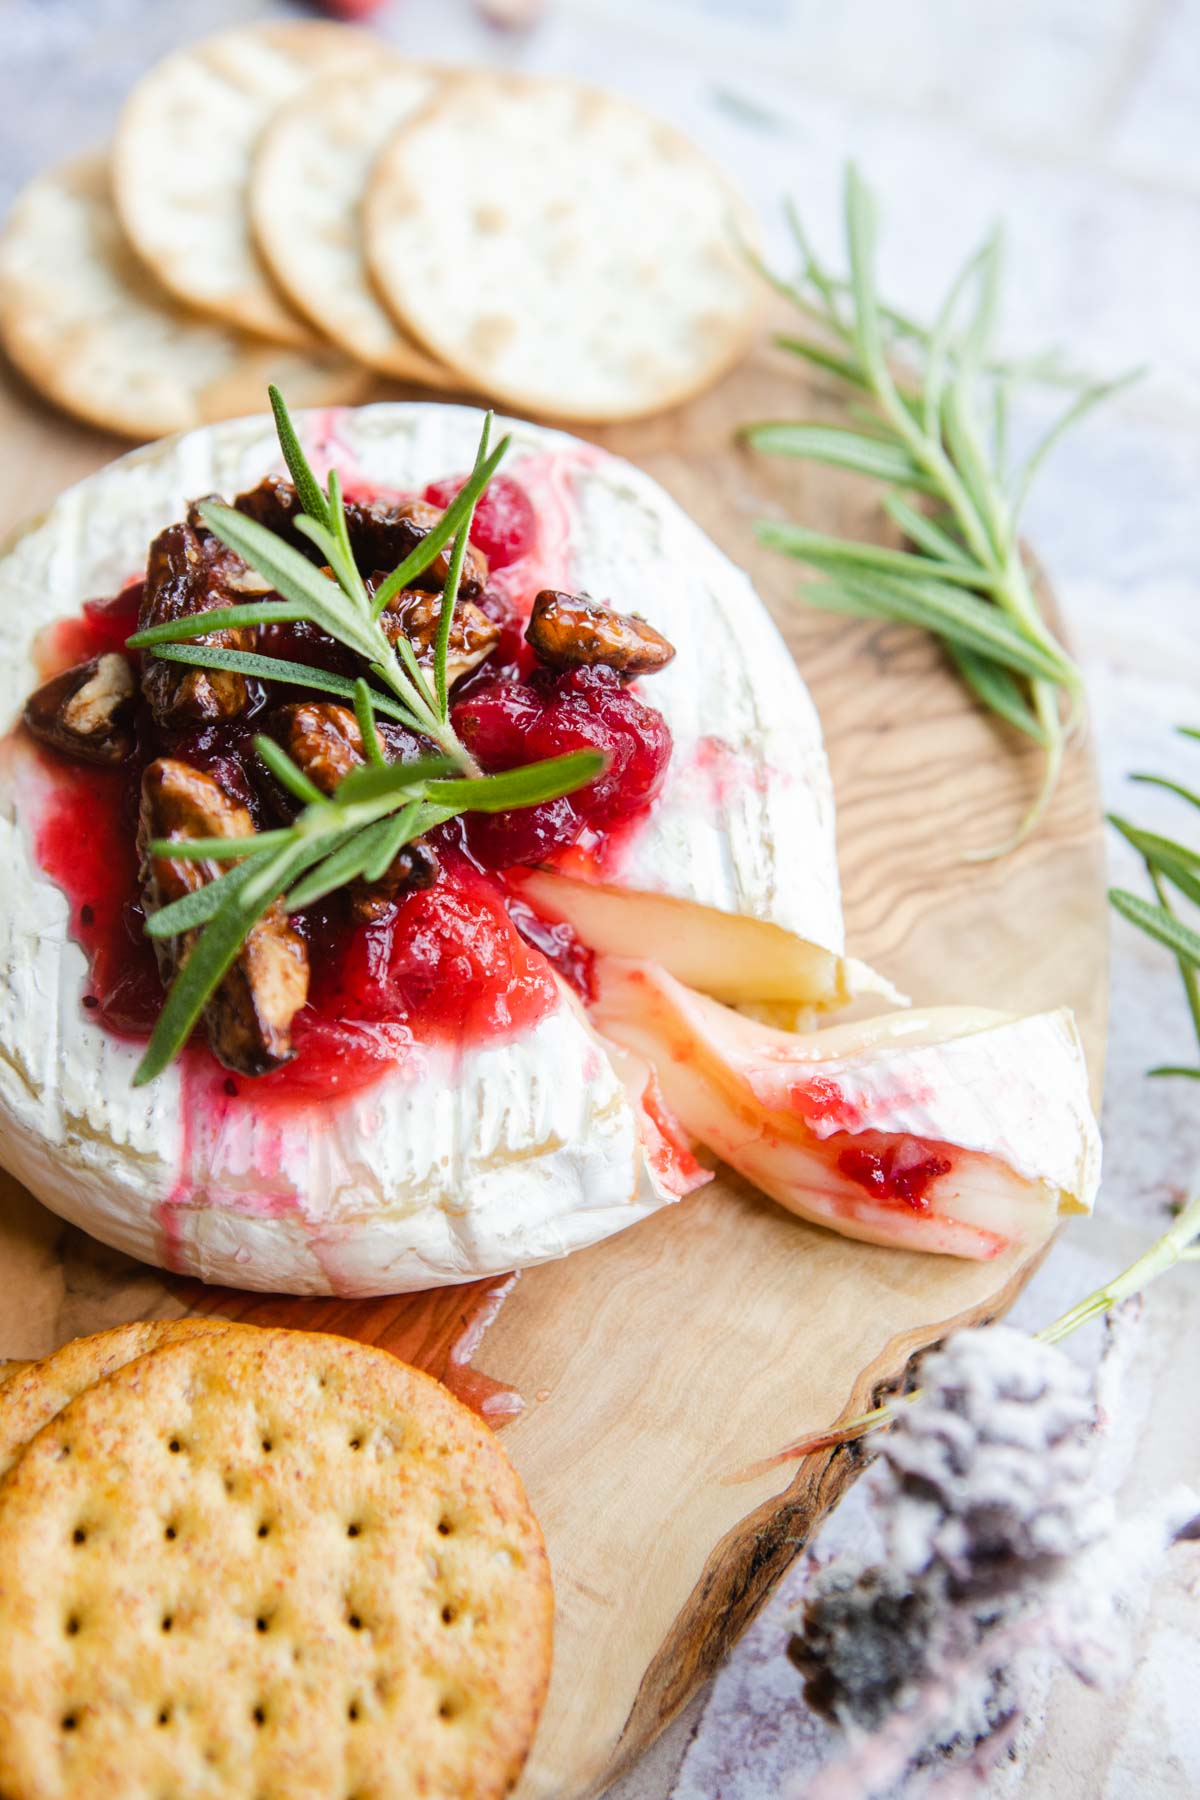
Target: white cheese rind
[{"x": 1008, "y": 1095}]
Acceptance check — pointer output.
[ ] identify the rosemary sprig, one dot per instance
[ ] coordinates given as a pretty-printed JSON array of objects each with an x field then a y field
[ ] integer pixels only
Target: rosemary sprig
[
  {"x": 1170, "y": 864},
  {"x": 931, "y": 407},
  {"x": 341, "y": 607},
  {"x": 378, "y": 808},
  {"x": 355, "y": 831}
]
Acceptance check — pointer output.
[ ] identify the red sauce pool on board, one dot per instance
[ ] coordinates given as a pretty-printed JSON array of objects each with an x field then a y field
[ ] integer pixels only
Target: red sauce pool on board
[{"x": 440, "y": 1331}]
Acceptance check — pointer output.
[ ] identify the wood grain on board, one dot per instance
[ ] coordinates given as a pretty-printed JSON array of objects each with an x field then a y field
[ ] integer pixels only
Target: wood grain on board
[{"x": 658, "y": 1364}]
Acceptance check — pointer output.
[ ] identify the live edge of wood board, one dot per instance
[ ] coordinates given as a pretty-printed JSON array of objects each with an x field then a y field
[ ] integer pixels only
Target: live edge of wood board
[{"x": 702, "y": 1340}]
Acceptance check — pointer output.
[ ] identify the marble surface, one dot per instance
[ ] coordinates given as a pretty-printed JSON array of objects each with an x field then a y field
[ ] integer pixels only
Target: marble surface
[{"x": 1078, "y": 123}]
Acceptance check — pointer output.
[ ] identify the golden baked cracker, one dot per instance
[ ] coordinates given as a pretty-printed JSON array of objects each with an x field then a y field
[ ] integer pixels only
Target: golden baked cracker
[
  {"x": 311, "y": 167},
  {"x": 559, "y": 248},
  {"x": 94, "y": 332},
  {"x": 11, "y": 1367},
  {"x": 38, "y": 1391},
  {"x": 182, "y": 157},
  {"x": 268, "y": 1565}
]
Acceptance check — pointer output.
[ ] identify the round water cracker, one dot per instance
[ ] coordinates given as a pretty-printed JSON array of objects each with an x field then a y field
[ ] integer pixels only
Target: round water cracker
[
  {"x": 559, "y": 248},
  {"x": 92, "y": 331},
  {"x": 182, "y": 158},
  {"x": 310, "y": 171},
  {"x": 264, "y": 1565},
  {"x": 37, "y": 1392}
]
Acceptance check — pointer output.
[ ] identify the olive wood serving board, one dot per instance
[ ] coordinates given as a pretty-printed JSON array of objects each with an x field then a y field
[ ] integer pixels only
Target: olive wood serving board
[{"x": 674, "y": 1355}]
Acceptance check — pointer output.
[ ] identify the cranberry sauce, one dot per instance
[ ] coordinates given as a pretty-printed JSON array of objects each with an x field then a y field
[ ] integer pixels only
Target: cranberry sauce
[
  {"x": 445, "y": 965},
  {"x": 895, "y": 1172},
  {"x": 505, "y": 524},
  {"x": 508, "y": 722},
  {"x": 101, "y": 626},
  {"x": 459, "y": 962}
]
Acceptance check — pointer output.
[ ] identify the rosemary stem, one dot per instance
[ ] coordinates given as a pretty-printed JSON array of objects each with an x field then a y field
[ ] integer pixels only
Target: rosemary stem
[
  {"x": 1169, "y": 1249},
  {"x": 440, "y": 730},
  {"x": 451, "y": 745},
  {"x": 1191, "y": 982},
  {"x": 929, "y": 455},
  {"x": 1181, "y": 1243},
  {"x": 1014, "y": 591}
]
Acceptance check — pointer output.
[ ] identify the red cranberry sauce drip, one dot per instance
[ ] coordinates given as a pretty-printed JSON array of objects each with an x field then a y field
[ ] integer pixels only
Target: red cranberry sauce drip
[
  {"x": 896, "y": 1172},
  {"x": 101, "y": 626},
  {"x": 86, "y": 844}
]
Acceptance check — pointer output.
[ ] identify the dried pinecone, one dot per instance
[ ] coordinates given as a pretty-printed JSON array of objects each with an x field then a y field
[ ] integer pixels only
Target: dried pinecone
[
  {"x": 991, "y": 1466},
  {"x": 864, "y": 1643},
  {"x": 983, "y": 1495}
]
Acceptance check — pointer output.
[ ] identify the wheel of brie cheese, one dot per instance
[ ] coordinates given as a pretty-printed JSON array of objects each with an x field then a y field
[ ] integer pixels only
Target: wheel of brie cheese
[{"x": 453, "y": 1070}]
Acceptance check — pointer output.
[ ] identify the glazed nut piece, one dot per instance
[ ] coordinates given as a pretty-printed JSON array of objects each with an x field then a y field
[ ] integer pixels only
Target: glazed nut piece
[
  {"x": 190, "y": 571},
  {"x": 567, "y": 631},
  {"x": 249, "y": 1018},
  {"x": 322, "y": 738},
  {"x": 325, "y": 741},
  {"x": 415, "y": 518},
  {"x": 87, "y": 712},
  {"x": 382, "y": 533},
  {"x": 415, "y": 866},
  {"x": 414, "y": 614},
  {"x": 237, "y": 577}
]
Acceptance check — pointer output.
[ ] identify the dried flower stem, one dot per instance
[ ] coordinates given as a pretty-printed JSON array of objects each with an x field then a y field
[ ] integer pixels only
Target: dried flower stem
[{"x": 1179, "y": 1244}]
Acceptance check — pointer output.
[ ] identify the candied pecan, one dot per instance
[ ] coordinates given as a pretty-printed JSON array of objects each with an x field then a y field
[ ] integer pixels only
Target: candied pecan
[
  {"x": 249, "y": 1017},
  {"x": 87, "y": 711},
  {"x": 397, "y": 529},
  {"x": 566, "y": 630},
  {"x": 325, "y": 741},
  {"x": 322, "y": 738},
  {"x": 236, "y": 576},
  {"x": 382, "y": 533},
  {"x": 275, "y": 504},
  {"x": 414, "y": 614},
  {"x": 415, "y": 866},
  {"x": 190, "y": 571}
]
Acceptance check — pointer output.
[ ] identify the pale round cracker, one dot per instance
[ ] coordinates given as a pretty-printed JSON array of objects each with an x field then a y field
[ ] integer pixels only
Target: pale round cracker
[
  {"x": 37, "y": 1392},
  {"x": 562, "y": 250},
  {"x": 94, "y": 332},
  {"x": 268, "y": 1566},
  {"x": 182, "y": 158},
  {"x": 310, "y": 172}
]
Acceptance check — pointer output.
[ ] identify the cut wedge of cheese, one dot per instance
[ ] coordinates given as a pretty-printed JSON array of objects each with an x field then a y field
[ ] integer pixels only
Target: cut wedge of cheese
[
  {"x": 734, "y": 957},
  {"x": 956, "y": 1130}
]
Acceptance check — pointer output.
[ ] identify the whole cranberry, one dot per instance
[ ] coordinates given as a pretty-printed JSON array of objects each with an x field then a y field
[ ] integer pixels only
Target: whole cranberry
[{"x": 505, "y": 524}]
